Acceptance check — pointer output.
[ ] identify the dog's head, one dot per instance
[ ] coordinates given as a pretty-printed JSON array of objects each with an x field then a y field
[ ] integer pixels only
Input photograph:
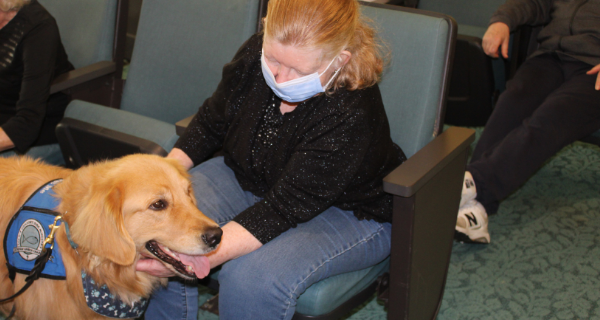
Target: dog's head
[{"x": 140, "y": 205}]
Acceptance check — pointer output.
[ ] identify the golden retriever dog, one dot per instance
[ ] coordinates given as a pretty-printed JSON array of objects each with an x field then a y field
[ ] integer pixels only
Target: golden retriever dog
[{"x": 139, "y": 206}]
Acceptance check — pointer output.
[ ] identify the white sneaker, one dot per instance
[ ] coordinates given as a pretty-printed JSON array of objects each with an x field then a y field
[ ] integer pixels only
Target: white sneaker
[
  {"x": 469, "y": 191},
  {"x": 472, "y": 223}
]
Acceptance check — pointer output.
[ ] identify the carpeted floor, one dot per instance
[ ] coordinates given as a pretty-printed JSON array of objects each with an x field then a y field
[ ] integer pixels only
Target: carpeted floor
[{"x": 544, "y": 259}]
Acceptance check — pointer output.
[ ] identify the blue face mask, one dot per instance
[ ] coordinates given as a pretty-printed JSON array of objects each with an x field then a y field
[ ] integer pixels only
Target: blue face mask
[{"x": 298, "y": 89}]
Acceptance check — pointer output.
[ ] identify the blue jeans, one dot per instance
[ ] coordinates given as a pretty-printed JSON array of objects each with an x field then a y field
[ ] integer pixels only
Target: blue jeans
[{"x": 266, "y": 283}]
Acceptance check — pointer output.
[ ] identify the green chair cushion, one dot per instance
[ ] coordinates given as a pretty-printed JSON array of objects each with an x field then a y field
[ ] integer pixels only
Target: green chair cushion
[
  {"x": 175, "y": 66},
  {"x": 412, "y": 84},
  {"x": 324, "y": 296},
  {"x": 86, "y": 28},
  {"x": 147, "y": 128}
]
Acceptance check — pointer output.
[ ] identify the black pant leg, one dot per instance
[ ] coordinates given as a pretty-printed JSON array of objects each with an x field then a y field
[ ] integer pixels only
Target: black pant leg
[
  {"x": 530, "y": 86},
  {"x": 568, "y": 113}
]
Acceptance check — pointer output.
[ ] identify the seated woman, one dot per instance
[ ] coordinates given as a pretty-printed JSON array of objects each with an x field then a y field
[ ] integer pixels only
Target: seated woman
[
  {"x": 305, "y": 141},
  {"x": 31, "y": 56},
  {"x": 552, "y": 101}
]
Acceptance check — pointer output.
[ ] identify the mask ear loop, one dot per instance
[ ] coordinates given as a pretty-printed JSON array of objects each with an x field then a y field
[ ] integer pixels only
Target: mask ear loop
[{"x": 332, "y": 77}]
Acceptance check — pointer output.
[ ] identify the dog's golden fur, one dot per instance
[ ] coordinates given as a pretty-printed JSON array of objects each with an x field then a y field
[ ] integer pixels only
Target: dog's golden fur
[{"x": 113, "y": 209}]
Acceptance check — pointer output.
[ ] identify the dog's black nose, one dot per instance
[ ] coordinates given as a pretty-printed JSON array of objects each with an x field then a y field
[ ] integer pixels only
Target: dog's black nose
[{"x": 212, "y": 236}]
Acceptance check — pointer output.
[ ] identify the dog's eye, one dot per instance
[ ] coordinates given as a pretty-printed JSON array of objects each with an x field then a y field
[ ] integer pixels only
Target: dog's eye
[{"x": 158, "y": 205}]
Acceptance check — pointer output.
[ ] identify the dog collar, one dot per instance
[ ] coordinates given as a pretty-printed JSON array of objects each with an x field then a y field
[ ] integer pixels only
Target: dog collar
[
  {"x": 68, "y": 232},
  {"x": 101, "y": 301}
]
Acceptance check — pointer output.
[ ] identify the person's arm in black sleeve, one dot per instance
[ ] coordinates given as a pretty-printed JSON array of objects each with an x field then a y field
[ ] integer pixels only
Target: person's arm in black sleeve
[
  {"x": 515, "y": 13},
  {"x": 334, "y": 148},
  {"x": 320, "y": 169},
  {"x": 205, "y": 133},
  {"x": 39, "y": 48}
]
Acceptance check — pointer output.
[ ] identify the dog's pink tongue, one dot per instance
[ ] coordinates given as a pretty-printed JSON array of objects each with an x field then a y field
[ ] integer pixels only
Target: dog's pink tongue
[{"x": 199, "y": 263}]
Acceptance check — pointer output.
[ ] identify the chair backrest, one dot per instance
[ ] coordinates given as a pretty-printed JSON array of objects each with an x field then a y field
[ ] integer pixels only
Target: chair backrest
[
  {"x": 415, "y": 84},
  {"x": 468, "y": 12},
  {"x": 179, "y": 53},
  {"x": 86, "y": 28}
]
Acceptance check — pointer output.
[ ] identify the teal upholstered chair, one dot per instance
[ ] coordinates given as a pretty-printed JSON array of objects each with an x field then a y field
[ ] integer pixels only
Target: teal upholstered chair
[
  {"x": 93, "y": 33},
  {"x": 426, "y": 187},
  {"x": 89, "y": 31},
  {"x": 476, "y": 78},
  {"x": 175, "y": 66}
]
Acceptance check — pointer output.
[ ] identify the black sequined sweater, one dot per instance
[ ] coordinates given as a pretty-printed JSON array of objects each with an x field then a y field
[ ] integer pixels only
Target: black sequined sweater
[
  {"x": 332, "y": 150},
  {"x": 31, "y": 56}
]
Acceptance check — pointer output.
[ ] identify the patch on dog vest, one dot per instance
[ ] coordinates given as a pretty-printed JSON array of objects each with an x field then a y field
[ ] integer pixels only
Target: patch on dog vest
[
  {"x": 101, "y": 301},
  {"x": 27, "y": 230}
]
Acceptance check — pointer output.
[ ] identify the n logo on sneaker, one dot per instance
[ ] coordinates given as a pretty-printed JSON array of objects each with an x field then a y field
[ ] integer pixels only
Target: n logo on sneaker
[
  {"x": 472, "y": 220},
  {"x": 469, "y": 183}
]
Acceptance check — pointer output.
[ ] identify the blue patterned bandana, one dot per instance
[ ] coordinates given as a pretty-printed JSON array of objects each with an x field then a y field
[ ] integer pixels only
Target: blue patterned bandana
[{"x": 104, "y": 303}]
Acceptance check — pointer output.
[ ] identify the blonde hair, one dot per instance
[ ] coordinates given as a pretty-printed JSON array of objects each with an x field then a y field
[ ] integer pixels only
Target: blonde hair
[
  {"x": 332, "y": 25},
  {"x": 8, "y": 5}
]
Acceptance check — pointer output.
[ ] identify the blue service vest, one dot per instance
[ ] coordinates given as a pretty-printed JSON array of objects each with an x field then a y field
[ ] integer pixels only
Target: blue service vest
[
  {"x": 23, "y": 243},
  {"x": 27, "y": 230}
]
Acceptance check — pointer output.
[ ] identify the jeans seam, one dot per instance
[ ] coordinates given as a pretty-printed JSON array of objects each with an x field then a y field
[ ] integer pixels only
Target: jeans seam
[
  {"x": 328, "y": 260},
  {"x": 221, "y": 195},
  {"x": 185, "y": 304}
]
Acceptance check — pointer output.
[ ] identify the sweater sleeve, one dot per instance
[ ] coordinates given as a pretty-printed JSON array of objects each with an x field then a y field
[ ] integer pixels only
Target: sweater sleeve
[
  {"x": 320, "y": 169},
  {"x": 515, "y": 13},
  {"x": 205, "y": 133},
  {"x": 39, "y": 49}
]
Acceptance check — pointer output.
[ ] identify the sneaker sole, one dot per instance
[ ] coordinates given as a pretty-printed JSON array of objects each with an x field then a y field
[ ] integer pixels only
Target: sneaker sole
[{"x": 464, "y": 238}]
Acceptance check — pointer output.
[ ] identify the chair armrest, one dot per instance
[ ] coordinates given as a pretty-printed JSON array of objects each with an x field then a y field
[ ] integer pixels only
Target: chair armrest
[
  {"x": 181, "y": 125},
  {"x": 90, "y": 132},
  {"x": 415, "y": 172},
  {"x": 82, "y": 143},
  {"x": 81, "y": 75},
  {"x": 427, "y": 189}
]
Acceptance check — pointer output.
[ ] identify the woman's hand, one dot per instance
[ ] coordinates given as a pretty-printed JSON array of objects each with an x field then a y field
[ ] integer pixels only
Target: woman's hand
[
  {"x": 236, "y": 242},
  {"x": 5, "y": 142},
  {"x": 497, "y": 35},
  {"x": 154, "y": 267},
  {"x": 182, "y": 157},
  {"x": 596, "y": 70}
]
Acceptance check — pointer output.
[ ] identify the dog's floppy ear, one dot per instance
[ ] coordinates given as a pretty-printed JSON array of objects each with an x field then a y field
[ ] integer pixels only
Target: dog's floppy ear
[
  {"x": 99, "y": 227},
  {"x": 184, "y": 173}
]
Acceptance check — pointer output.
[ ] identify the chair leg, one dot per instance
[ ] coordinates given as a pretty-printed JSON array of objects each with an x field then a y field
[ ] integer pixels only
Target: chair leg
[{"x": 211, "y": 305}]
